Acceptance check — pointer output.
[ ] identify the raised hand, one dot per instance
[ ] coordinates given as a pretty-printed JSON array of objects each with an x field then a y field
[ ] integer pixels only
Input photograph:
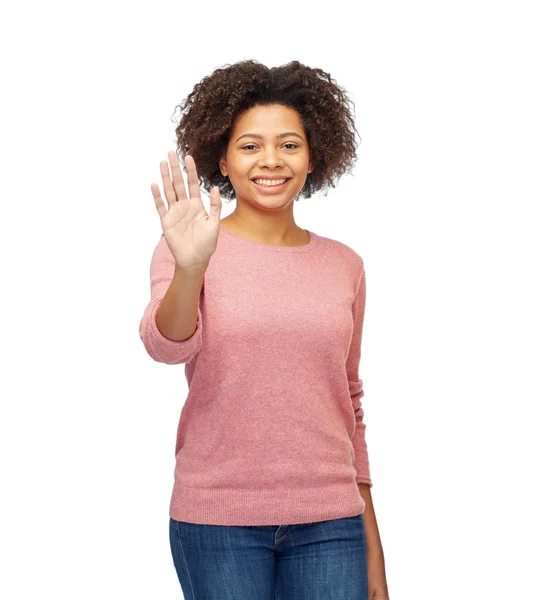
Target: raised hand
[{"x": 190, "y": 232}]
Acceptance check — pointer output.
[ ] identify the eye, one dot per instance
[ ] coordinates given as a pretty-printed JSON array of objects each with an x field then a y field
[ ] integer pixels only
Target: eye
[{"x": 253, "y": 146}]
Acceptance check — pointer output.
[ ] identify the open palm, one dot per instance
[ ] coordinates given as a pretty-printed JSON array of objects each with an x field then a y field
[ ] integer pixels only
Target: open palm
[{"x": 190, "y": 232}]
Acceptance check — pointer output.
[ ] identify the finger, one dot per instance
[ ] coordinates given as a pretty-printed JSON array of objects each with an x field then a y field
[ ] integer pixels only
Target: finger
[
  {"x": 193, "y": 185},
  {"x": 178, "y": 181},
  {"x": 160, "y": 206},
  {"x": 168, "y": 186},
  {"x": 215, "y": 204}
]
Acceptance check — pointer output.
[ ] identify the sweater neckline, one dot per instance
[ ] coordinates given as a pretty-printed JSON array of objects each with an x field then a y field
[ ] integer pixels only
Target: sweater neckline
[{"x": 229, "y": 235}]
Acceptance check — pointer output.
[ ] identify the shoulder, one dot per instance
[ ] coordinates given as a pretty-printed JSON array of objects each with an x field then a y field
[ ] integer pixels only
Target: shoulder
[{"x": 342, "y": 252}]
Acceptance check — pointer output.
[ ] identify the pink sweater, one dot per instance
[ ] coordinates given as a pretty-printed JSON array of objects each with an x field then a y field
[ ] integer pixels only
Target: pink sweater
[{"x": 272, "y": 429}]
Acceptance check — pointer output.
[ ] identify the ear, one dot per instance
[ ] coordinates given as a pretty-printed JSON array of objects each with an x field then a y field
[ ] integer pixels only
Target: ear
[{"x": 222, "y": 165}]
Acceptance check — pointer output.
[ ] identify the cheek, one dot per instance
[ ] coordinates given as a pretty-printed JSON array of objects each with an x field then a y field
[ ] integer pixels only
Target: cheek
[
  {"x": 242, "y": 169},
  {"x": 301, "y": 164}
]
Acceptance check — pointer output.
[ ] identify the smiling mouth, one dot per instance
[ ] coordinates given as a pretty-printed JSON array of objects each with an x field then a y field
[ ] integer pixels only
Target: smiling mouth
[{"x": 270, "y": 186}]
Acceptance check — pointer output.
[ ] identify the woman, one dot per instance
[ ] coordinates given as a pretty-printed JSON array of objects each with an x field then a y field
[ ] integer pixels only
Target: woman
[{"x": 272, "y": 492}]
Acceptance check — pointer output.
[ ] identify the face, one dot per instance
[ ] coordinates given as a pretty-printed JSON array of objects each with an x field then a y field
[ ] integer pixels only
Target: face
[{"x": 270, "y": 142}]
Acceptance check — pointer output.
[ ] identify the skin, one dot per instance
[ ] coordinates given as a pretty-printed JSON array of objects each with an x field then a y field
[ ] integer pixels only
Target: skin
[
  {"x": 267, "y": 218},
  {"x": 376, "y": 573}
]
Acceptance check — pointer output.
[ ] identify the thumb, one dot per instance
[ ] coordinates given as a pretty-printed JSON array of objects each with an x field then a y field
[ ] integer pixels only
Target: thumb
[{"x": 215, "y": 204}]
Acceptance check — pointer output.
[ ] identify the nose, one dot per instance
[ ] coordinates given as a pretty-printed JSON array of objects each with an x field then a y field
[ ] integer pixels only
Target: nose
[{"x": 271, "y": 158}]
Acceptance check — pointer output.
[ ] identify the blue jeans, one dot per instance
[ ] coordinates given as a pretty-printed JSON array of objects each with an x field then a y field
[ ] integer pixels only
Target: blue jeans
[{"x": 325, "y": 560}]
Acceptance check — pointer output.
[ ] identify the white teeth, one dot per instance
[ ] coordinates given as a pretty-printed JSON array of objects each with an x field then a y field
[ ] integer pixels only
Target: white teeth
[{"x": 269, "y": 182}]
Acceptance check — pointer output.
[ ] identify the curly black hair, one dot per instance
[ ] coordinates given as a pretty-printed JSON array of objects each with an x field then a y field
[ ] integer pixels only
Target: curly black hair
[{"x": 211, "y": 109}]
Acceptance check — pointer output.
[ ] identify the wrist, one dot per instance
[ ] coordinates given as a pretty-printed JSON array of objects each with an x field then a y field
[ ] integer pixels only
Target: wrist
[{"x": 197, "y": 270}]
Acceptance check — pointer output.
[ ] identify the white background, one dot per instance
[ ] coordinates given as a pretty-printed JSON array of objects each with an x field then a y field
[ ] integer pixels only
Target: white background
[{"x": 447, "y": 206}]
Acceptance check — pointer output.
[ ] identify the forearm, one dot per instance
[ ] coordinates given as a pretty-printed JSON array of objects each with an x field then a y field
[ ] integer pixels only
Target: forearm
[
  {"x": 177, "y": 315},
  {"x": 376, "y": 572},
  {"x": 372, "y": 535}
]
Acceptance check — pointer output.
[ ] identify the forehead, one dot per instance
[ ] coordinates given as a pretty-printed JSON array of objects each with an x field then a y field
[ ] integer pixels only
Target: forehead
[{"x": 273, "y": 119}]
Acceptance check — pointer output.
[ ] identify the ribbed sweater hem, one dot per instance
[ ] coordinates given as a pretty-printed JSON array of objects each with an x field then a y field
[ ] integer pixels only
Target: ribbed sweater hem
[{"x": 265, "y": 507}]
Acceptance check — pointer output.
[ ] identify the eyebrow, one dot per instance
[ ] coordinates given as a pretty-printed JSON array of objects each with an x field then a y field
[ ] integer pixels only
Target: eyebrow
[{"x": 260, "y": 137}]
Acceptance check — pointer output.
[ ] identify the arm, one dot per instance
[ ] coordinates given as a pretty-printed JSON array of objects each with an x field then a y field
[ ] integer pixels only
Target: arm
[
  {"x": 355, "y": 385},
  {"x": 376, "y": 573},
  {"x": 171, "y": 326},
  {"x": 177, "y": 314},
  {"x": 378, "y": 589}
]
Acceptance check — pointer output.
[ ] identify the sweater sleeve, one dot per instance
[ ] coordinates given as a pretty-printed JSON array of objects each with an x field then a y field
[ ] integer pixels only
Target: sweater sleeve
[
  {"x": 160, "y": 348},
  {"x": 355, "y": 385}
]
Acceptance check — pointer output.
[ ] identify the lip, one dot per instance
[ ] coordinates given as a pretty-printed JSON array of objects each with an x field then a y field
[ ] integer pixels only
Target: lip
[
  {"x": 273, "y": 189},
  {"x": 270, "y": 177}
]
